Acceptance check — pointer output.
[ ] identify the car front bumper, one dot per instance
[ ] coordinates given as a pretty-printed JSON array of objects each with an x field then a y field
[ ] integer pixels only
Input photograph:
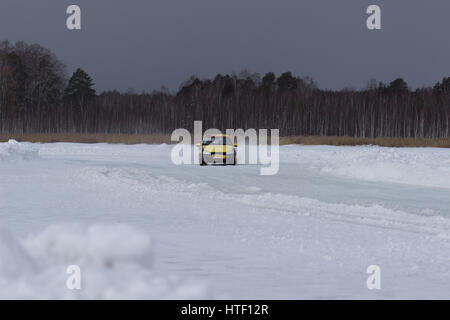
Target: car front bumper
[{"x": 218, "y": 158}]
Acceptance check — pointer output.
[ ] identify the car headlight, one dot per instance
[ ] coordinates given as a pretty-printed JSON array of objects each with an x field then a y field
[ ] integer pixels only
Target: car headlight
[{"x": 206, "y": 152}]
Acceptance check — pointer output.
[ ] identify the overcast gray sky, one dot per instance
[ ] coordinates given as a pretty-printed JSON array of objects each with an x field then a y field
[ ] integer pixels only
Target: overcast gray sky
[{"x": 144, "y": 44}]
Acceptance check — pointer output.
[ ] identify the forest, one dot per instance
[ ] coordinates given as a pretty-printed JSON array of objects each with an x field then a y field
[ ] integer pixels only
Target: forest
[{"x": 38, "y": 96}]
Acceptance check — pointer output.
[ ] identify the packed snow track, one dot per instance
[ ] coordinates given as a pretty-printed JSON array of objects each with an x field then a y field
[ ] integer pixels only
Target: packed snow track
[{"x": 139, "y": 226}]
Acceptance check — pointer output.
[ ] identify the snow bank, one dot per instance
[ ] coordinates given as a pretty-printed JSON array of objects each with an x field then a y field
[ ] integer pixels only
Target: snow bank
[
  {"x": 13, "y": 151},
  {"x": 373, "y": 215},
  {"x": 115, "y": 262},
  {"x": 429, "y": 167}
]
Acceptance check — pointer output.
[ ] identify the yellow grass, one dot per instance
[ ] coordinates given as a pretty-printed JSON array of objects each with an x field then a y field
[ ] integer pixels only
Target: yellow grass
[
  {"x": 89, "y": 138},
  {"x": 352, "y": 141},
  {"x": 165, "y": 138}
]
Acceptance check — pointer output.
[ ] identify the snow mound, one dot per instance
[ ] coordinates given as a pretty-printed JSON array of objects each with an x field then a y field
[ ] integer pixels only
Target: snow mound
[
  {"x": 114, "y": 260},
  {"x": 13, "y": 151},
  {"x": 102, "y": 245},
  {"x": 428, "y": 167}
]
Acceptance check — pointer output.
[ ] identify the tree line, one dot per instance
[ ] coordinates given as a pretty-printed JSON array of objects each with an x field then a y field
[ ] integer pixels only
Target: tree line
[{"x": 37, "y": 96}]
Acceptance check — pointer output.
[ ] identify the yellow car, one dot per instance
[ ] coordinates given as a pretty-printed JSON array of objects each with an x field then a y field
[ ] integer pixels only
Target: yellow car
[{"x": 217, "y": 149}]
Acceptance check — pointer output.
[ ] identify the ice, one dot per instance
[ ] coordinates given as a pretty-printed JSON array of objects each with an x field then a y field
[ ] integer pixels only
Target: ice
[{"x": 141, "y": 227}]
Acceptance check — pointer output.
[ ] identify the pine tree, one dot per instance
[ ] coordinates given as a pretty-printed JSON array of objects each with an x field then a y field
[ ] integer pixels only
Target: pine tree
[
  {"x": 398, "y": 85},
  {"x": 444, "y": 86},
  {"x": 80, "y": 95},
  {"x": 80, "y": 89},
  {"x": 287, "y": 82}
]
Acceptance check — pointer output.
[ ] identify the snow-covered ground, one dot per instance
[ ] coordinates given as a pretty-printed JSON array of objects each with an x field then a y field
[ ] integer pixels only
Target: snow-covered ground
[{"x": 140, "y": 227}]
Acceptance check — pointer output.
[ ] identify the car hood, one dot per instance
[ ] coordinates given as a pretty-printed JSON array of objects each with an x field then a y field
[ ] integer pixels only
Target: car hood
[{"x": 217, "y": 148}]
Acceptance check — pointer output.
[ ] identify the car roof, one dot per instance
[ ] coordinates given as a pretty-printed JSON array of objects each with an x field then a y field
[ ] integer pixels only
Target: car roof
[{"x": 217, "y": 135}]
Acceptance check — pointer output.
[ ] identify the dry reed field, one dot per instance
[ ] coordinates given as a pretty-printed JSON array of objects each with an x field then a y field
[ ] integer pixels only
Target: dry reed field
[{"x": 165, "y": 138}]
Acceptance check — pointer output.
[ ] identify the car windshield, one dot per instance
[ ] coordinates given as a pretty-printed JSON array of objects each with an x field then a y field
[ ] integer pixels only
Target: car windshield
[{"x": 217, "y": 141}]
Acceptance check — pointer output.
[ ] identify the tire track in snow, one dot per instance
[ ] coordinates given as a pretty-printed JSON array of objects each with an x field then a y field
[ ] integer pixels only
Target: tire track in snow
[{"x": 142, "y": 180}]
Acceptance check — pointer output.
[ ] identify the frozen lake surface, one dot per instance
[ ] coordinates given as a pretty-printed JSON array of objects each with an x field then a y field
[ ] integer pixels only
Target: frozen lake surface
[{"x": 141, "y": 227}]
